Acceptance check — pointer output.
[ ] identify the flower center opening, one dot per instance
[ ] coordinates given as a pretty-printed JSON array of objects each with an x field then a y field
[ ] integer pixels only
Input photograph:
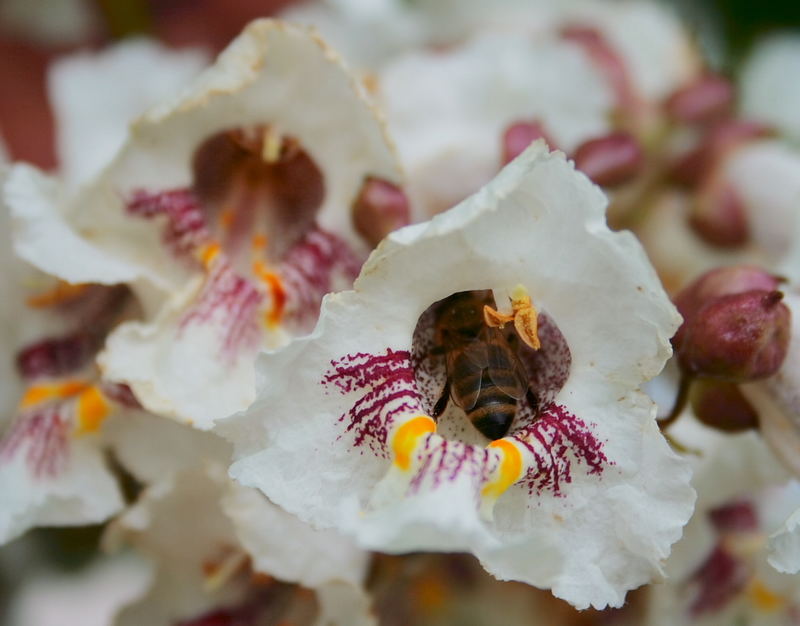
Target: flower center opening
[
  {"x": 480, "y": 377},
  {"x": 253, "y": 181}
]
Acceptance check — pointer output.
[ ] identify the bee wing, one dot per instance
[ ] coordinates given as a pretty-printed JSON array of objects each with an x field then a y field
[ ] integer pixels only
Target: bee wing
[
  {"x": 471, "y": 364},
  {"x": 505, "y": 368}
]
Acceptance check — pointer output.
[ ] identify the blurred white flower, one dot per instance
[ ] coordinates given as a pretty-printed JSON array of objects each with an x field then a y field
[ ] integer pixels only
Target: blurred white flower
[
  {"x": 96, "y": 95},
  {"x": 719, "y": 573},
  {"x": 229, "y": 212},
  {"x": 218, "y": 547},
  {"x": 767, "y": 90},
  {"x": 90, "y": 597}
]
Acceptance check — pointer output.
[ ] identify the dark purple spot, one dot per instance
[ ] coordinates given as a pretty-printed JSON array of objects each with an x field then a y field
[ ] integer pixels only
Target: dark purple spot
[
  {"x": 718, "y": 581},
  {"x": 44, "y": 431},
  {"x": 239, "y": 616},
  {"x": 738, "y": 517},
  {"x": 57, "y": 356},
  {"x": 383, "y": 388},
  {"x": 556, "y": 439}
]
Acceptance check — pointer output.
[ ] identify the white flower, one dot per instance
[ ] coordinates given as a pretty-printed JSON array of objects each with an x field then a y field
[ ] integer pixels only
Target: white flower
[
  {"x": 767, "y": 91},
  {"x": 52, "y": 468},
  {"x": 448, "y": 110},
  {"x": 93, "y": 106},
  {"x": 718, "y": 572},
  {"x": 584, "y": 496},
  {"x": 777, "y": 400},
  {"x": 228, "y": 211},
  {"x": 210, "y": 538},
  {"x": 89, "y": 597}
]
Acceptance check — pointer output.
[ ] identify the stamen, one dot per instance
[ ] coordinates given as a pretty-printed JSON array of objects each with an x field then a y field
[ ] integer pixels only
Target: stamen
[
  {"x": 523, "y": 313},
  {"x": 407, "y": 437},
  {"x": 217, "y": 574},
  {"x": 271, "y": 145}
]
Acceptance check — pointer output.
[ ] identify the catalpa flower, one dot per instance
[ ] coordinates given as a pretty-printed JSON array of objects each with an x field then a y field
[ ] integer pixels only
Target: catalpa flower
[
  {"x": 52, "y": 467},
  {"x": 579, "y": 493},
  {"x": 230, "y": 210},
  {"x": 449, "y": 127},
  {"x": 720, "y": 573},
  {"x": 222, "y": 550}
]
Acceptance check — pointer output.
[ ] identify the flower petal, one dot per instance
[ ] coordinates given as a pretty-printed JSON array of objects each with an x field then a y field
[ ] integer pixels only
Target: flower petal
[
  {"x": 449, "y": 125},
  {"x": 339, "y": 434},
  {"x": 93, "y": 106}
]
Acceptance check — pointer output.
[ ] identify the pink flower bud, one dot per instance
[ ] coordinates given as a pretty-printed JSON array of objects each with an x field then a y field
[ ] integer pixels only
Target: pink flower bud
[
  {"x": 607, "y": 60},
  {"x": 719, "y": 218},
  {"x": 610, "y": 160},
  {"x": 380, "y": 208},
  {"x": 519, "y": 135},
  {"x": 723, "y": 281},
  {"x": 721, "y": 405},
  {"x": 737, "y": 337},
  {"x": 707, "y": 98},
  {"x": 697, "y": 164}
]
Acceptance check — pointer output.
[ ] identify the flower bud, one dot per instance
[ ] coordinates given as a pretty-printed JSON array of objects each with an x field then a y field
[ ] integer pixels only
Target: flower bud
[
  {"x": 708, "y": 97},
  {"x": 519, "y": 136},
  {"x": 719, "y": 218},
  {"x": 693, "y": 166},
  {"x": 721, "y": 405},
  {"x": 723, "y": 281},
  {"x": 610, "y": 160},
  {"x": 737, "y": 337},
  {"x": 380, "y": 208}
]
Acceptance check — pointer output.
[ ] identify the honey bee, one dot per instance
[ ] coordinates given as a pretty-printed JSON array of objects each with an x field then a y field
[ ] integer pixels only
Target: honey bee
[{"x": 485, "y": 376}]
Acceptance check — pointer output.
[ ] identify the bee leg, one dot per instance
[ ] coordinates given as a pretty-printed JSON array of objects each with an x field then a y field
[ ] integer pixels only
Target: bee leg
[
  {"x": 533, "y": 400},
  {"x": 441, "y": 403}
]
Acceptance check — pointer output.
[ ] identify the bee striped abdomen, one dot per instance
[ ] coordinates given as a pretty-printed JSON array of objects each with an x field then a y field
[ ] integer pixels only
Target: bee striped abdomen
[{"x": 489, "y": 400}]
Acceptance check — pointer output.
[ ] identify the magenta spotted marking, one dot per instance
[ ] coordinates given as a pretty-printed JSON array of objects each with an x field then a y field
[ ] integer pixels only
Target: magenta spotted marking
[
  {"x": 448, "y": 460},
  {"x": 318, "y": 264},
  {"x": 717, "y": 582},
  {"x": 557, "y": 439},
  {"x": 44, "y": 432},
  {"x": 186, "y": 226},
  {"x": 230, "y": 303},
  {"x": 384, "y": 384}
]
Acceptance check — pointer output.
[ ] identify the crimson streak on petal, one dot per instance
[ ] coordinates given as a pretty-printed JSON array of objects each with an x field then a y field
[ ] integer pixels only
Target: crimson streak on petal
[
  {"x": 556, "y": 439},
  {"x": 385, "y": 388},
  {"x": 44, "y": 431},
  {"x": 230, "y": 304}
]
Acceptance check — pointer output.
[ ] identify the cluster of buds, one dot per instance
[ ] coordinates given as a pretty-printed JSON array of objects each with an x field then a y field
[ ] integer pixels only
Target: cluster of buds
[{"x": 736, "y": 329}]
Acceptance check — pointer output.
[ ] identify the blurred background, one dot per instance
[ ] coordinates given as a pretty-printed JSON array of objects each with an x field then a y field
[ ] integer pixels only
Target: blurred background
[{"x": 35, "y": 32}]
